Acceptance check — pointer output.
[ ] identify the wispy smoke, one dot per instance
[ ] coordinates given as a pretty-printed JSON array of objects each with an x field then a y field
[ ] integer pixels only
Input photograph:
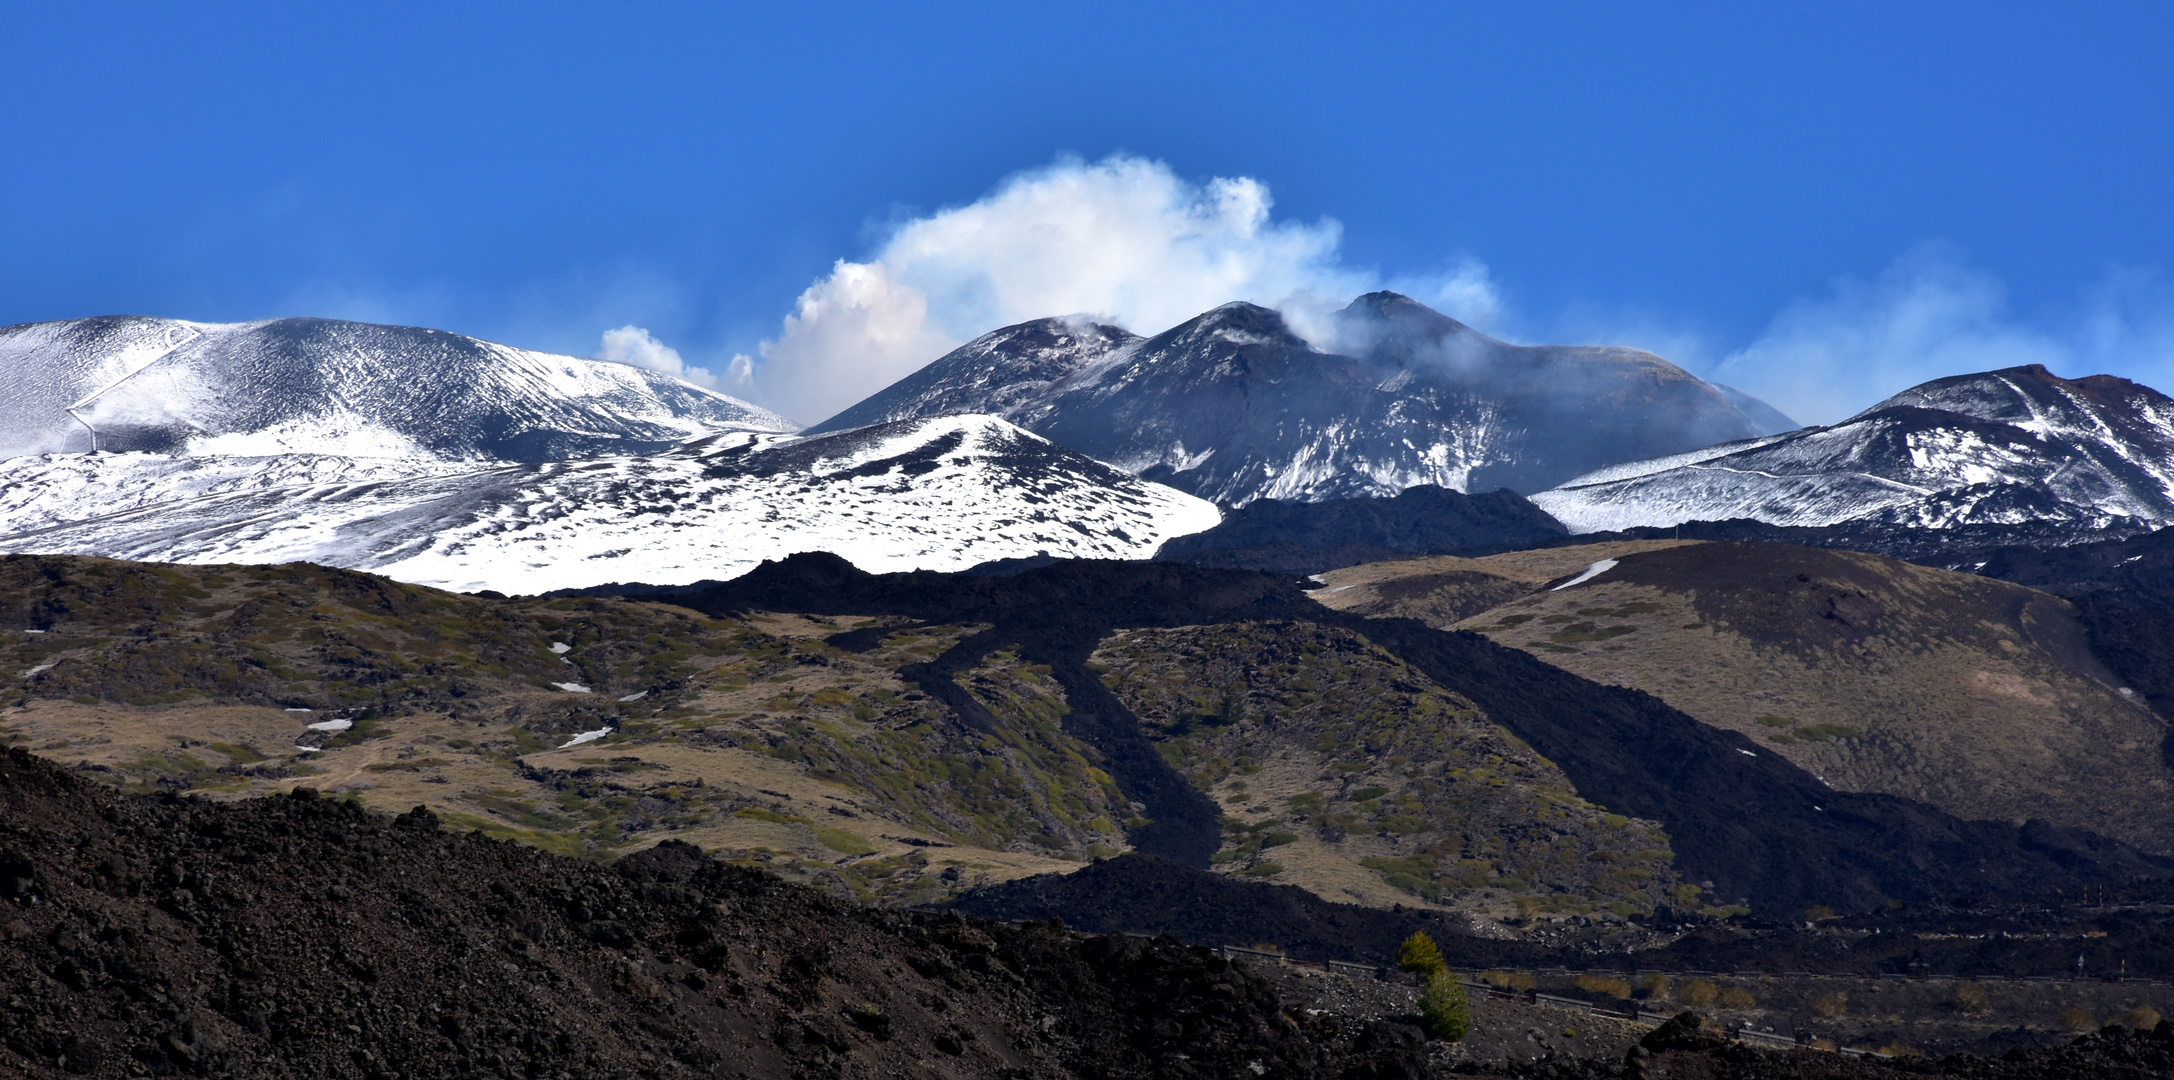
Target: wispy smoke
[
  {"x": 637, "y": 347},
  {"x": 1928, "y": 316},
  {"x": 1124, "y": 239}
]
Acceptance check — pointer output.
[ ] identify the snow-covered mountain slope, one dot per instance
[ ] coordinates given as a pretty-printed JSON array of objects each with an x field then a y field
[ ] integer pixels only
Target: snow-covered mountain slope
[
  {"x": 40, "y": 491},
  {"x": 2016, "y": 447},
  {"x": 321, "y": 386},
  {"x": 935, "y": 494},
  {"x": 1234, "y": 406}
]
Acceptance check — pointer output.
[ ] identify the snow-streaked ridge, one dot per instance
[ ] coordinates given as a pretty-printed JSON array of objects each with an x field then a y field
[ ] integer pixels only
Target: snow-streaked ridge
[
  {"x": 937, "y": 494},
  {"x": 2015, "y": 447}
]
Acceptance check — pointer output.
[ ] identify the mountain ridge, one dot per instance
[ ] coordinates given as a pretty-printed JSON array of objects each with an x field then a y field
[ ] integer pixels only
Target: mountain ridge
[
  {"x": 2017, "y": 447},
  {"x": 1232, "y": 405},
  {"x": 1307, "y": 537}
]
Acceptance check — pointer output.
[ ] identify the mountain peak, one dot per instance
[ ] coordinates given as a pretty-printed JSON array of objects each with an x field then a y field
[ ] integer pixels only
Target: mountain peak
[
  {"x": 1402, "y": 310},
  {"x": 994, "y": 373},
  {"x": 1238, "y": 316},
  {"x": 2035, "y": 399}
]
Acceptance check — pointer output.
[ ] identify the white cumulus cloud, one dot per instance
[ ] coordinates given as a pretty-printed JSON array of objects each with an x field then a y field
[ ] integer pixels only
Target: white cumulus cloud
[
  {"x": 1124, "y": 239},
  {"x": 1128, "y": 240},
  {"x": 637, "y": 347}
]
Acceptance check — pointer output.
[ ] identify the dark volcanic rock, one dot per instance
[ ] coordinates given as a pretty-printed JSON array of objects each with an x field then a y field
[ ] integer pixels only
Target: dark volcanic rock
[
  {"x": 1988, "y": 937},
  {"x": 1689, "y": 1047},
  {"x": 1306, "y": 538},
  {"x": 305, "y": 936},
  {"x": 2137, "y": 570},
  {"x": 1143, "y": 894}
]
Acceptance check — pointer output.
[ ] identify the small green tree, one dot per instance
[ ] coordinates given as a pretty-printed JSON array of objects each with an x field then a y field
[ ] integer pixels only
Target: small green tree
[
  {"x": 1443, "y": 1008},
  {"x": 1419, "y": 954}
]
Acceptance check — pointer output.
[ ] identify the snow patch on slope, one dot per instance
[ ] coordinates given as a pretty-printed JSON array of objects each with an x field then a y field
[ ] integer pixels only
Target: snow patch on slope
[{"x": 341, "y": 434}]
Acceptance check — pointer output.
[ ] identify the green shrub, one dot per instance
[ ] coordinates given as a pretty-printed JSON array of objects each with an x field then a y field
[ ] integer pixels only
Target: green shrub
[
  {"x": 1442, "y": 1005},
  {"x": 1420, "y": 954}
]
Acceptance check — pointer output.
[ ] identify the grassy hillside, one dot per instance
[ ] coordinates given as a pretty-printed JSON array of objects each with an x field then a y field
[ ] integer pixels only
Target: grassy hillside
[
  {"x": 1342, "y": 770},
  {"x": 904, "y": 737},
  {"x": 1976, "y": 696},
  {"x": 748, "y": 735}
]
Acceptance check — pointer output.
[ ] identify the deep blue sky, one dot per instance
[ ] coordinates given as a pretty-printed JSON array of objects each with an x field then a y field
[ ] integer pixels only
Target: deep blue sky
[{"x": 538, "y": 173}]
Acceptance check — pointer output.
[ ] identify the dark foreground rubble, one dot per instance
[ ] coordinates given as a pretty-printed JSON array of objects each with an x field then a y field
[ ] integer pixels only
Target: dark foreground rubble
[
  {"x": 307, "y": 937},
  {"x": 1688, "y": 1048}
]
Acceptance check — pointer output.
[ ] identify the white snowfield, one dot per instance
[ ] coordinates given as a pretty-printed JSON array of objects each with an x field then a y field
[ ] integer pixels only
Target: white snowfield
[
  {"x": 45, "y": 490},
  {"x": 2010, "y": 447},
  {"x": 942, "y": 493}
]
